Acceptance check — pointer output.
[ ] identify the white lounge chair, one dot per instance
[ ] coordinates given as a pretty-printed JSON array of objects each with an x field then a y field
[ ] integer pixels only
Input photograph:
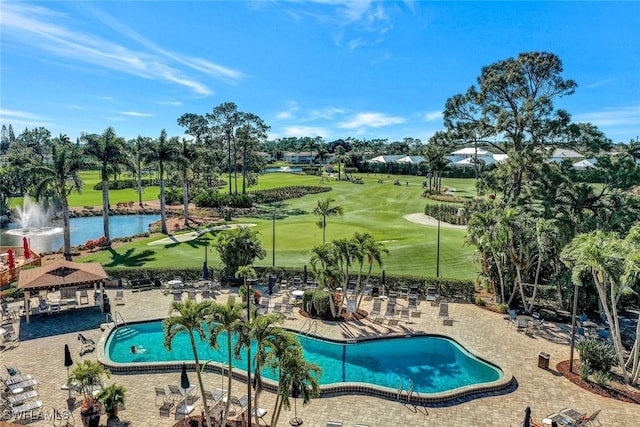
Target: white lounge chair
[{"x": 119, "y": 299}]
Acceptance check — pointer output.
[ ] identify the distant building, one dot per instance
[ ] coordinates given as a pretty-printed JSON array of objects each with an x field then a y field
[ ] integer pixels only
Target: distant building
[{"x": 298, "y": 157}]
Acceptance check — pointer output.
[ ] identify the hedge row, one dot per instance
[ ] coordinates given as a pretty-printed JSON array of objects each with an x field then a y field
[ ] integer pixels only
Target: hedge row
[
  {"x": 126, "y": 183},
  {"x": 446, "y": 212},
  {"x": 285, "y": 193},
  {"x": 446, "y": 288}
]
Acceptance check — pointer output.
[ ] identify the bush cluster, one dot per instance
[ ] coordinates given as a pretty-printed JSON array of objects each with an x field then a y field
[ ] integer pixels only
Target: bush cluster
[
  {"x": 126, "y": 183},
  {"x": 285, "y": 193},
  {"x": 597, "y": 357},
  {"x": 451, "y": 214},
  {"x": 320, "y": 306},
  {"x": 214, "y": 199}
]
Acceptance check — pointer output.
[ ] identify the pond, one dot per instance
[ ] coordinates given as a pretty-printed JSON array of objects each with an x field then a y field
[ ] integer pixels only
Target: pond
[{"x": 49, "y": 238}]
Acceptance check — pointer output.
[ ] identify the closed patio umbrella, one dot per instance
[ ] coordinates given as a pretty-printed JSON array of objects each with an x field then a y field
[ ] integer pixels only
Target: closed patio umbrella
[
  {"x": 205, "y": 271},
  {"x": 304, "y": 275},
  {"x": 184, "y": 379},
  {"x": 67, "y": 363},
  {"x": 11, "y": 260},
  {"x": 25, "y": 246},
  {"x": 527, "y": 417}
]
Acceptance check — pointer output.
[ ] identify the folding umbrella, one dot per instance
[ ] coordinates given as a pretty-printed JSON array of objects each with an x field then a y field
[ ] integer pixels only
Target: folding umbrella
[
  {"x": 304, "y": 276},
  {"x": 527, "y": 417},
  {"x": 205, "y": 271}
]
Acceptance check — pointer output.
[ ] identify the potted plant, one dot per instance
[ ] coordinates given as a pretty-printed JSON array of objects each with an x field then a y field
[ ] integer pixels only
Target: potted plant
[
  {"x": 87, "y": 376},
  {"x": 111, "y": 397},
  {"x": 257, "y": 297}
]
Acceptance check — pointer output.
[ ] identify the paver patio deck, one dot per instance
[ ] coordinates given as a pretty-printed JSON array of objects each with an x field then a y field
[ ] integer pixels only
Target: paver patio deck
[{"x": 482, "y": 332}]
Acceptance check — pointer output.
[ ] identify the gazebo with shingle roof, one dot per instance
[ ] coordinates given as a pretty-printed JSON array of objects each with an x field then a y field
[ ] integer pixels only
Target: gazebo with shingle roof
[{"x": 61, "y": 274}]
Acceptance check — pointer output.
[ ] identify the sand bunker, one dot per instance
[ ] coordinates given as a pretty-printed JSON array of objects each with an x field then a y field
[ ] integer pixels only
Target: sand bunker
[
  {"x": 179, "y": 238},
  {"x": 422, "y": 219}
]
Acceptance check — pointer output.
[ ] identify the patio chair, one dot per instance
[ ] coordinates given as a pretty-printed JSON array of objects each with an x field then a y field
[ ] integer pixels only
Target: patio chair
[
  {"x": 288, "y": 311},
  {"x": 375, "y": 311},
  {"x": 413, "y": 303},
  {"x": 277, "y": 307},
  {"x": 404, "y": 292},
  {"x": 431, "y": 294},
  {"x": 444, "y": 312},
  {"x": 87, "y": 344},
  {"x": 175, "y": 394},
  {"x": 161, "y": 394},
  {"x": 84, "y": 297},
  {"x": 590, "y": 420},
  {"x": 21, "y": 398},
  {"x": 177, "y": 296},
  {"x": 119, "y": 299},
  {"x": 11, "y": 340},
  {"x": 390, "y": 312}
]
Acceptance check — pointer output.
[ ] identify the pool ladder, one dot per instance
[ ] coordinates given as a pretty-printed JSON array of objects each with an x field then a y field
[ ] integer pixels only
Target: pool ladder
[
  {"x": 114, "y": 319},
  {"x": 309, "y": 325},
  {"x": 410, "y": 390}
]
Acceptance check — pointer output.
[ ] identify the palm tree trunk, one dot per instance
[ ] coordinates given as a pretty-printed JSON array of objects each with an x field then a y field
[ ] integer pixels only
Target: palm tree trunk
[
  {"x": 105, "y": 210},
  {"x": 199, "y": 375},
  {"x": 612, "y": 317},
  {"x": 66, "y": 232},
  {"x": 229, "y": 376},
  {"x": 185, "y": 200}
]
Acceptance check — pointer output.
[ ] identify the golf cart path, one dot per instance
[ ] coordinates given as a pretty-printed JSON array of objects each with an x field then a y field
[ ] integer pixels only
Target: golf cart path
[
  {"x": 179, "y": 238},
  {"x": 422, "y": 219}
]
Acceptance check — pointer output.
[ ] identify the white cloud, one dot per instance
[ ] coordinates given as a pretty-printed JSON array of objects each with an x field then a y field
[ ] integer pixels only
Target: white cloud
[
  {"x": 18, "y": 119},
  {"x": 598, "y": 83},
  {"x": 612, "y": 116},
  {"x": 45, "y": 30},
  {"x": 374, "y": 120},
  {"x": 136, "y": 114},
  {"x": 284, "y": 115},
  {"x": 301, "y": 131},
  {"x": 432, "y": 115},
  {"x": 171, "y": 103}
]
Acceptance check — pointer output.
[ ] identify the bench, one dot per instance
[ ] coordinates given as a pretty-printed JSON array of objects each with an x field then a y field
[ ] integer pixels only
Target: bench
[{"x": 139, "y": 285}]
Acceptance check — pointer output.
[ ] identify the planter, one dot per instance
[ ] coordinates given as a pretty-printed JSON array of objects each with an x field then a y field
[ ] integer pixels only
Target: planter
[{"x": 90, "y": 418}]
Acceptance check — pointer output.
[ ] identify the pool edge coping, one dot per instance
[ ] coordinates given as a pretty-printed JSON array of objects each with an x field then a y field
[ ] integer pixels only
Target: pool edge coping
[{"x": 330, "y": 390}]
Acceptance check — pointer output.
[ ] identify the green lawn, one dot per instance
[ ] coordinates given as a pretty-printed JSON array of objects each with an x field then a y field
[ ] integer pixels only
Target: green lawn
[{"x": 376, "y": 208}]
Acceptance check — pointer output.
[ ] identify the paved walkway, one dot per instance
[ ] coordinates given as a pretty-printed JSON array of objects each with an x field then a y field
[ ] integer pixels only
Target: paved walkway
[{"x": 482, "y": 332}]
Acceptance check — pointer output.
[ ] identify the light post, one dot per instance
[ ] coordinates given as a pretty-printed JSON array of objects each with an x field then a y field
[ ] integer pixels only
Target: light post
[
  {"x": 573, "y": 325},
  {"x": 438, "y": 252}
]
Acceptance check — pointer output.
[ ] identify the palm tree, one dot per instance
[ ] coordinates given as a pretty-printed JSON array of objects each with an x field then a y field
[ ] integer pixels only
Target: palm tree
[
  {"x": 60, "y": 178},
  {"x": 346, "y": 251},
  {"x": 238, "y": 248},
  {"x": 136, "y": 149},
  {"x": 339, "y": 153},
  {"x": 323, "y": 262},
  {"x": 324, "y": 209},
  {"x": 226, "y": 318},
  {"x": 262, "y": 331},
  {"x": 244, "y": 341},
  {"x": 185, "y": 160},
  {"x": 162, "y": 151},
  {"x": 296, "y": 374},
  {"x": 109, "y": 151},
  {"x": 600, "y": 256},
  {"x": 367, "y": 247},
  {"x": 190, "y": 318}
]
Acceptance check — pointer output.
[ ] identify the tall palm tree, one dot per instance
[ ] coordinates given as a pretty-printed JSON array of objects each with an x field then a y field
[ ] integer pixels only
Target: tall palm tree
[
  {"x": 136, "y": 149},
  {"x": 368, "y": 248},
  {"x": 245, "y": 272},
  {"x": 162, "y": 152},
  {"x": 190, "y": 318},
  {"x": 226, "y": 318},
  {"x": 60, "y": 178},
  {"x": 324, "y": 209},
  {"x": 346, "y": 251},
  {"x": 109, "y": 151},
  {"x": 599, "y": 256},
  {"x": 295, "y": 374},
  {"x": 339, "y": 154},
  {"x": 185, "y": 160},
  {"x": 262, "y": 331}
]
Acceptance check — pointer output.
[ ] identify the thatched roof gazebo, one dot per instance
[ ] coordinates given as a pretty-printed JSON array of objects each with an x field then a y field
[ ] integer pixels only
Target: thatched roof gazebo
[{"x": 61, "y": 275}]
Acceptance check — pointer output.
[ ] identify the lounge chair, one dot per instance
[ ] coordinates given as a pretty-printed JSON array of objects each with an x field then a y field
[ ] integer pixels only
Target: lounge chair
[
  {"x": 177, "y": 296},
  {"x": 176, "y": 394},
  {"x": 375, "y": 292},
  {"x": 375, "y": 311},
  {"x": 214, "y": 398},
  {"x": 14, "y": 379},
  {"x": 431, "y": 295},
  {"x": 32, "y": 409},
  {"x": 590, "y": 420},
  {"x": 288, "y": 311},
  {"x": 11, "y": 340},
  {"x": 404, "y": 314},
  {"x": 404, "y": 292},
  {"x": 119, "y": 299},
  {"x": 87, "y": 344},
  {"x": 444, "y": 312},
  {"x": 413, "y": 303},
  {"x": 84, "y": 297},
  {"x": 21, "y": 398},
  {"x": 334, "y": 424},
  {"x": 390, "y": 312},
  {"x": 277, "y": 307},
  {"x": 240, "y": 405},
  {"x": 361, "y": 425},
  {"x": 43, "y": 307}
]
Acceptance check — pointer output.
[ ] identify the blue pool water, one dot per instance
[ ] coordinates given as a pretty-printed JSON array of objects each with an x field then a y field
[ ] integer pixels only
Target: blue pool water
[{"x": 434, "y": 364}]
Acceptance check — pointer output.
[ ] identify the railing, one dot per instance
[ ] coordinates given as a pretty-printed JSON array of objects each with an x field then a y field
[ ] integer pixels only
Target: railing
[
  {"x": 114, "y": 319},
  {"x": 400, "y": 389},
  {"x": 309, "y": 325}
]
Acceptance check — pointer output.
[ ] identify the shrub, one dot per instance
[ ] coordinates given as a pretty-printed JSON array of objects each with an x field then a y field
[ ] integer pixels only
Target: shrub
[
  {"x": 597, "y": 355},
  {"x": 601, "y": 378},
  {"x": 479, "y": 301},
  {"x": 503, "y": 308},
  {"x": 585, "y": 371},
  {"x": 319, "y": 303}
]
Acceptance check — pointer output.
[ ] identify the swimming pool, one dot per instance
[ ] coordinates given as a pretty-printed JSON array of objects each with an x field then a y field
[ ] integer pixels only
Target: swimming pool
[{"x": 434, "y": 364}]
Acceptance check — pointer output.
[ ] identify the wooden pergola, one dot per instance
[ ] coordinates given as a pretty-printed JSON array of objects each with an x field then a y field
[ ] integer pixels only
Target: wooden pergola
[{"x": 59, "y": 275}]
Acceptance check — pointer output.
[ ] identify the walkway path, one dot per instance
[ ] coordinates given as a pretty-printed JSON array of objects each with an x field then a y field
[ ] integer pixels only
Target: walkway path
[
  {"x": 483, "y": 332},
  {"x": 186, "y": 237}
]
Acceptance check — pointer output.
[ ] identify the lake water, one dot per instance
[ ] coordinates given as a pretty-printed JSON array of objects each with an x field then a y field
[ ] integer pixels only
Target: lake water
[{"x": 82, "y": 229}]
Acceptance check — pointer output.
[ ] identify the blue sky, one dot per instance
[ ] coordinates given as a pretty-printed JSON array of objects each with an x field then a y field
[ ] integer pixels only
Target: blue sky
[{"x": 327, "y": 68}]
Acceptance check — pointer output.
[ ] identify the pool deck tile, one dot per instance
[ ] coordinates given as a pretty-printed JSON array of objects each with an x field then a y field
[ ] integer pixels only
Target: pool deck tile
[{"x": 482, "y": 332}]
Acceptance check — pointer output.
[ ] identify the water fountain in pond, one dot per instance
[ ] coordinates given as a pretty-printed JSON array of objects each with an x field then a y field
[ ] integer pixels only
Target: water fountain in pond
[{"x": 32, "y": 220}]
